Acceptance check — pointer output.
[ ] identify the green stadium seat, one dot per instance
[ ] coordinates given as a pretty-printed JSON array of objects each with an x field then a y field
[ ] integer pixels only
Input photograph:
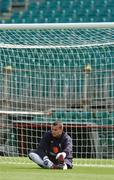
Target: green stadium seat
[
  {"x": 58, "y": 114},
  {"x": 57, "y": 20},
  {"x": 86, "y": 115},
  {"x": 104, "y": 122},
  {"x": 111, "y": 115},
  {"x": 53, "y": 13},
  {"x": 73, "y": 116},
  {"x": 102, "y": 115}
]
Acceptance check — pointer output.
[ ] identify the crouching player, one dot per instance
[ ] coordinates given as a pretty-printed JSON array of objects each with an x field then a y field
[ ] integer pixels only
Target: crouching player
[{"x": 54, "y": 150}]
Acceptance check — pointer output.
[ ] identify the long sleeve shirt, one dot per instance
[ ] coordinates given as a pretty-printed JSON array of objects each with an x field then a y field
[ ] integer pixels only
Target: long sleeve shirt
[{"x": 50, "y": 146}]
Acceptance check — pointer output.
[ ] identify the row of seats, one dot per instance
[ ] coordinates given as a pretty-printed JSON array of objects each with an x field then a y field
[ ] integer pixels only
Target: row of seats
[
  {"x": 58, "y": 86},
  {"x": 68, "y": 11},
  {"x": 83, "y": 114},
  {"x": 97, "y": 58},
  {"x": 58, "y": 65},
  {"x": 98, "y": 118},
  {"x": 18, "y": 19}
]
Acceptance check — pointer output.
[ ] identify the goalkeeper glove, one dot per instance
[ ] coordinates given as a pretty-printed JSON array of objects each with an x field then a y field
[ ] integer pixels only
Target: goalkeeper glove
[
  {"x": 47, "y": 162},
  {"x": 61, "y": 156}
]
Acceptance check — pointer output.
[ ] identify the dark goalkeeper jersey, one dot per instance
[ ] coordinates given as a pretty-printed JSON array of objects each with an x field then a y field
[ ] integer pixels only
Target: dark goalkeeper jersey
[{"x": 51, "y": 146}]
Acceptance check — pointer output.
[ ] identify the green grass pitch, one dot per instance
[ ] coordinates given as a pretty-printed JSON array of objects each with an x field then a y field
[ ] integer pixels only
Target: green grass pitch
[{"x": 31, "y": 171}]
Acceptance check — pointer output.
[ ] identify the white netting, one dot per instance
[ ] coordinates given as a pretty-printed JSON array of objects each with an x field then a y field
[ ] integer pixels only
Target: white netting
[{"x": 65, "y": 74}]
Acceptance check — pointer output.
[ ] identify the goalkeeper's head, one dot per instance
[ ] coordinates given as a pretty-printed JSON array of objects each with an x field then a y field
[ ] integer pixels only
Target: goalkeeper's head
[{"x": 57, "y": 129}]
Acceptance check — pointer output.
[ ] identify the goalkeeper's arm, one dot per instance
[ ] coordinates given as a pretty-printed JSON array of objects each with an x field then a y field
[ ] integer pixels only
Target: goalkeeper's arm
[
  {"x": 66, "y": 151},
  {"x": 61, "y": 156}
]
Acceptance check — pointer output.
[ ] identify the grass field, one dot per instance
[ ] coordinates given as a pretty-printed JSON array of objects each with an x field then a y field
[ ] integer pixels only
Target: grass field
[{"x": 32, "y": 172}]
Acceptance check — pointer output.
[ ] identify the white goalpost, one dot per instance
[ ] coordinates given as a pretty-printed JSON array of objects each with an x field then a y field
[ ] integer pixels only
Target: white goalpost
[{"x": 56, "y": 71}]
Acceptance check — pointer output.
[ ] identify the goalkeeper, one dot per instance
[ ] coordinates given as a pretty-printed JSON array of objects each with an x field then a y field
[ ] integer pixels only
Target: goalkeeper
[{"x": 54, "y": 150}]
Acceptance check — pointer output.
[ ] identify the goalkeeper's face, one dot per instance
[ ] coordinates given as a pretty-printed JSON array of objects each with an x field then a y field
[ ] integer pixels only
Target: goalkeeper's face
[{"x": 56, "y": 131}]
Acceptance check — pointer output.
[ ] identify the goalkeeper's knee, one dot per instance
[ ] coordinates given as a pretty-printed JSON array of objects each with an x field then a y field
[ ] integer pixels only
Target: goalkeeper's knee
[{"x": 36, "y": 158}]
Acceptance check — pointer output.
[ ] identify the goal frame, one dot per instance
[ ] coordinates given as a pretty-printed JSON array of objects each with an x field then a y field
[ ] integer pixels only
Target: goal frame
[
  {"x": 37, "y": 26},
  {"x": 50, "y": 26}
]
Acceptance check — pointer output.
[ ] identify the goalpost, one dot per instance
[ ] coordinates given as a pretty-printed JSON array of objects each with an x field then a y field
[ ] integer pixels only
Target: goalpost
[{"x": 57, "y": 71}]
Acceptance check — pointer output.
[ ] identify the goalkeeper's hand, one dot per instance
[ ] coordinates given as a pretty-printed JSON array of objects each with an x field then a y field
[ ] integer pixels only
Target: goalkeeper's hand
[
  {"x": 61, "y": 156},
  {"x": 47, "y": 162}
]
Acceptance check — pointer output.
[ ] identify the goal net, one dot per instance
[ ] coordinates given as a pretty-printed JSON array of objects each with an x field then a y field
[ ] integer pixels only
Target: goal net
[{"x": 57, "y": 71}]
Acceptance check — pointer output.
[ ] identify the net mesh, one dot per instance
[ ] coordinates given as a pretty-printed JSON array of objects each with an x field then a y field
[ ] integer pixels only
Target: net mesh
[{"x": 65, "y": 74}]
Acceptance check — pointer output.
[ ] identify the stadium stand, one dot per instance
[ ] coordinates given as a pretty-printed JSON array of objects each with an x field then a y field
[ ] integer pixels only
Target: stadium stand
[{"x": 46, "y": 11}]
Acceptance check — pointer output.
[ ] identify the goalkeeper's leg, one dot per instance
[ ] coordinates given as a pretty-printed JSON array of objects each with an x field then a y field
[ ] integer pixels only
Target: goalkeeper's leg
[
  {"x": 45, "y": 162},
  {"x": 36, "y": 159},
  {"x": 69, "y": 164}
]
